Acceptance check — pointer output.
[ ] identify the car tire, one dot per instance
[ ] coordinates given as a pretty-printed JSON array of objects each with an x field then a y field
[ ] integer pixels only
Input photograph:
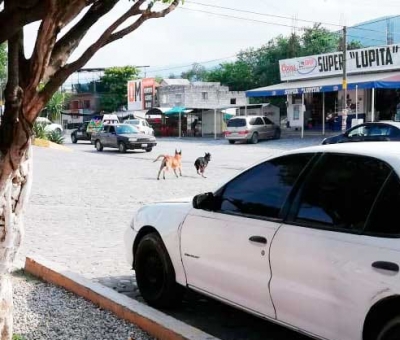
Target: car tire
[
  {"x": 391, "y": 330},
  {"x": 277, "y": 134},
  {"x": 254, "y": 138},
  {"x": 122, "y": 147},
  {"x": 149, "y": 149},
  {"x": 155, "y": 274},
  {"x": 98, "y": 145},
  {"x": 231, "y": 141},
  {"x": 58, "y": 131},
  {"x": 74, "y": 139}
]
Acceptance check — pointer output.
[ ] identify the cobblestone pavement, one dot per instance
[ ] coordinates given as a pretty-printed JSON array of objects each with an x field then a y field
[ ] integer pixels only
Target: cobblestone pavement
[{"x": 83, "y": 201}]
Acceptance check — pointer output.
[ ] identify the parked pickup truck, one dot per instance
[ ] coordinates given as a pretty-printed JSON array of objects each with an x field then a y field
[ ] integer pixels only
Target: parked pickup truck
[
  {"x": 124, "y": 137},
  {"x": 81, "y": 133}
]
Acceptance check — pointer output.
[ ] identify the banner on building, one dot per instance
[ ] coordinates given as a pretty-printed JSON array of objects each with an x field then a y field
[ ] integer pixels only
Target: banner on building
[
  {"x": 141, "y": 94},
  {"x": 373, "y": 59}
]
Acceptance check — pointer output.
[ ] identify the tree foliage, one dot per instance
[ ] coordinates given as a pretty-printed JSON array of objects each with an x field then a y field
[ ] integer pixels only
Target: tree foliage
[
  {"x": 260, "y": 67},
  {"x": 113, "y": 84}
]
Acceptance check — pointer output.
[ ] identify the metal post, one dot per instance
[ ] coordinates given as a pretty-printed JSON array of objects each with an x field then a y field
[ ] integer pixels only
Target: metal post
[
  {"x": 215, "y": 123},
  {"x": 356, "y": 104},
  {"x": 302, "y": 115},
  {"x": 373, "y": 105},
  {"x": 323, "y": 113},
  {"x": 180, "y": 125}
]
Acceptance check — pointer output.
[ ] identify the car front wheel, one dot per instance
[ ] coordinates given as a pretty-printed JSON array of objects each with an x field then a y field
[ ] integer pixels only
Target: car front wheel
[
  {"x": 391, "y": 330},
  {"x": 149, "y": 149},
  {"x": 155, "y": 274},
  {"x": 231, "y": 142},
  {"x": 122, "y": 147},
  {"x": 99, "y": 146},
  {"x": 74, "y": 139}
]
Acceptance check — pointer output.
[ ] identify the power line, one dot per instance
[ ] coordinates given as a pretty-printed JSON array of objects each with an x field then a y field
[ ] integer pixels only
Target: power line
[
  {"x": 289, "y": 18},
  {"x": 235, "y": 17}
]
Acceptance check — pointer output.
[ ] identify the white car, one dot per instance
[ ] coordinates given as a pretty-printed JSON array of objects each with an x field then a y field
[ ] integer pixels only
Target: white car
[
  {"x": 142, "y": 125},
  {"x": 309, "y": 240},
  {"x": 49, "y": 125}
]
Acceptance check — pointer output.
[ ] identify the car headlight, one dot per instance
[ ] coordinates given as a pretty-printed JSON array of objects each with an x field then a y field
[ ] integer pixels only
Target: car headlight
[
  {"x": 133, "y": 139},
  {"x": 133, "y": 223}
]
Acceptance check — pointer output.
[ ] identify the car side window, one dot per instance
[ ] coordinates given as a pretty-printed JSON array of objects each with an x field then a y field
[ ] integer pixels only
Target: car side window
[
  {"x": 383, "y": 220},
  {"x": 263, "y": 190},
  {"x": 340, "y": 192},
  {"x": 258, "y": 121},
  {"x": 357, "y": 132},
  {"x": 267, "y": 121}
]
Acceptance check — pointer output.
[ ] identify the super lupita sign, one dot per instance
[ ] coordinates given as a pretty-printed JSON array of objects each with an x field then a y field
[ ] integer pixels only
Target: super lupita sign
[{"x": 358, "y": 61}]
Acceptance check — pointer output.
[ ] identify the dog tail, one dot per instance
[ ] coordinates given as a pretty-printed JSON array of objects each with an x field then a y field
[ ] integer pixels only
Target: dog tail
[{"x": 161, "y": 156}]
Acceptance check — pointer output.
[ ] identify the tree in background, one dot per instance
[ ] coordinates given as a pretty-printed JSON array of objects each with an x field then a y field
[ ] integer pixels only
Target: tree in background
[
  {"x": 63, "y": 26},
  {"x": 113, "y": 84},
  {"x": 196, "y": 73},
  {"x": 260, "y": 67},
  {"x": 55, "y": 105}
]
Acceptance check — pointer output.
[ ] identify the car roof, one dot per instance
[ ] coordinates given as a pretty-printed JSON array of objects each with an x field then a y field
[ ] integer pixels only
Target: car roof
[
  {"x": 386, "y": 151},
  {"x": 387, "y": 122}
]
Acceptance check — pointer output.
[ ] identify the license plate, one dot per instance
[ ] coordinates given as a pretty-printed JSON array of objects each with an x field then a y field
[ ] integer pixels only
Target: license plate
[{"x": 144, "y": 145}]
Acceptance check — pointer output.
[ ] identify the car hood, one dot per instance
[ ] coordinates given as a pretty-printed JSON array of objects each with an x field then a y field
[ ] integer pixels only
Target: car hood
[{"x": 176, "y": 201}]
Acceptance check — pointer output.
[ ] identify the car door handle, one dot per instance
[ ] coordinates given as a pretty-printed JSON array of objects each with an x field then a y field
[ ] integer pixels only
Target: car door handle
[
  {"x": 393, "y": 267},
  {"x": 258, "y": 239}
]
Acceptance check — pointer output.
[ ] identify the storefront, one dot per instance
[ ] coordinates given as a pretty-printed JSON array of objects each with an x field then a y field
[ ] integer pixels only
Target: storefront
[{"x": 313, "y": 87}]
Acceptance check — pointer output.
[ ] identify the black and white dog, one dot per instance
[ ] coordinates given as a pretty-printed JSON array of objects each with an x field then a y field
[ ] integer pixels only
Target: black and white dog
[{"x": 201, "y": 164}]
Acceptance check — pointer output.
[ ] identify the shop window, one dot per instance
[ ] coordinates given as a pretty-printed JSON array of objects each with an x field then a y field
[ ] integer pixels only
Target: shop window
[
  {"x": 178, "y": 98},
  {"x": 204, "y": 95},
  {"x": 233, "y": 101},
  {"x": 86, "y": 104}
]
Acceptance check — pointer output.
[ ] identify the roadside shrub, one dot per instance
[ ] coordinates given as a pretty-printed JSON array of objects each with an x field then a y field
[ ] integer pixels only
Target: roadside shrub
[
  {"x": 55, "y": 137},
  {"x": 39, "y": 131}
]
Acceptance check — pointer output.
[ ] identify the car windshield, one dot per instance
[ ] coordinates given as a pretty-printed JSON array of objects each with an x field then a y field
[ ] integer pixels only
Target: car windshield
[
  {"x": 237, "y": 123},
  {"x": 133, "y": 122},
  {"x": 126, "y": 129}
]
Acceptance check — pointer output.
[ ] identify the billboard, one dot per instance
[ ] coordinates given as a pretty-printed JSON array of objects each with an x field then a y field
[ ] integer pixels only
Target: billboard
[
  {"x": 373, "y": 59},
  {"x": 141, "y": 94}
]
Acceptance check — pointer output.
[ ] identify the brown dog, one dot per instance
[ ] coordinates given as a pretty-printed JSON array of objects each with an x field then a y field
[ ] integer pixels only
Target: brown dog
[{"x": 170, "y": 162}]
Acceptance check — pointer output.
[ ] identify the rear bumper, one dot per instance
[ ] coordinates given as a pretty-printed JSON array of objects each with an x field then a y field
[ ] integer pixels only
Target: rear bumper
[{"x": 237, "y": 137}]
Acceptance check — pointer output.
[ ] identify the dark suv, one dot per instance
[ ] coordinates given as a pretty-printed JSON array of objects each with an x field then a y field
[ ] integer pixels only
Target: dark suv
[
  {"x": 80, "y": 133},
  {"x": 124, "y": 137}
]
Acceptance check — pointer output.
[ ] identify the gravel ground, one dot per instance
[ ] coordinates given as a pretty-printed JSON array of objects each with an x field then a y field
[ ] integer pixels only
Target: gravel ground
[{"x": 44, "y": 311}]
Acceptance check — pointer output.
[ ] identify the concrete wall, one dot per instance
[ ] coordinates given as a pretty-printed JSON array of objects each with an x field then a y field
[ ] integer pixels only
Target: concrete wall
[
  {"x": 208, "y": 122},
  {"x": 199, "y": 95}
]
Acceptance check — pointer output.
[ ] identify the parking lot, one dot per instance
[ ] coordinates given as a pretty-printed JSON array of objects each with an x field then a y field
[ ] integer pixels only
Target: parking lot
[{"x": 82, "y": 201}]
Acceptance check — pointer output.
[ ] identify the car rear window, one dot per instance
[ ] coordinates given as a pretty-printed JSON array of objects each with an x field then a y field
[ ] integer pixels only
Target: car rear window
[{"x": 237, "y": 123}]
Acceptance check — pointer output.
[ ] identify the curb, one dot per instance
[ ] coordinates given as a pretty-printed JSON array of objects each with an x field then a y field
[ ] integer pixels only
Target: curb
[
  {"x": 152, "y": 321},
  {"x": 42, "y": 143}
]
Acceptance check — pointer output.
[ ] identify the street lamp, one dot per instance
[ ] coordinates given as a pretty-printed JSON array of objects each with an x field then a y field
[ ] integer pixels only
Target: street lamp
[{"x": 145, "y": 67}]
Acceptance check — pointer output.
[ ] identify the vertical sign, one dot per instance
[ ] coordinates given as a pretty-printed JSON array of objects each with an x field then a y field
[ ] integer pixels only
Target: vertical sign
[
  {"x": 148, "y": 93},
  {"x": 135, "y": 95}
]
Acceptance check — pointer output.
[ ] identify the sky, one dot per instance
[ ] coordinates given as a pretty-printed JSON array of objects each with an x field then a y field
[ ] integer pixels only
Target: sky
[{"x": 186, "y": 36}]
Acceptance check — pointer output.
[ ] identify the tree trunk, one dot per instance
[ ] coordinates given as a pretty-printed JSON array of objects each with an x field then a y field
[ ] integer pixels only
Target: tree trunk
[{"x": 13, "y": 197}]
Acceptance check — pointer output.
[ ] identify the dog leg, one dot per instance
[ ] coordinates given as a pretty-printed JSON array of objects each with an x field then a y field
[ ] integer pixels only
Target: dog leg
[
  {"x": 159, "y": 173},
  {"x": 180, "y": 172},
  {"x": 175, "y": 173}
]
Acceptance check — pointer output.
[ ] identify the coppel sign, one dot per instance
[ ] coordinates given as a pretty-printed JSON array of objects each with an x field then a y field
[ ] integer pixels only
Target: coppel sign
[{"x": 372, "y": 59}]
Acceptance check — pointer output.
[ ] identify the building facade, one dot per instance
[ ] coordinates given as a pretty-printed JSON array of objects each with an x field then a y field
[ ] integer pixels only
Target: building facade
[
  {"x": 199, "y": 95},
  {"x": 376, "y": 32}
]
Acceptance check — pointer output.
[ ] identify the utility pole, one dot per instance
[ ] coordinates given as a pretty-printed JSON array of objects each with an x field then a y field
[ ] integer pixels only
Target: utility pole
[{"x": 344, "y": 83}]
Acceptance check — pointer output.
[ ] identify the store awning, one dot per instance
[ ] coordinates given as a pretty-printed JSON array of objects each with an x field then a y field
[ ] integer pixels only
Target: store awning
[
  {"x": 386, "y": 80},
  {"x": 177, "y": 110}
]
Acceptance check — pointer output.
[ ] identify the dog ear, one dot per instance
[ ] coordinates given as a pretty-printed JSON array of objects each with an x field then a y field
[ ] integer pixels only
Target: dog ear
[
  {"x": 180, "y": 152},
  {"x": 176, "y": 151}
]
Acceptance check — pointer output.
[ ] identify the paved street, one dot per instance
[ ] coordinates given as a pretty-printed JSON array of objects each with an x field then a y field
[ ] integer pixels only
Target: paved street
[{"x": 82, "y": 201}]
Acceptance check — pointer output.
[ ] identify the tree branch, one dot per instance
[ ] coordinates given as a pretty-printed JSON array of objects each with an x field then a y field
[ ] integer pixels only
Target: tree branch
[
  {"x": 107, "y": 37},
  {"x": 12, "y": 20},
  {"x": 64, "y": 47}
]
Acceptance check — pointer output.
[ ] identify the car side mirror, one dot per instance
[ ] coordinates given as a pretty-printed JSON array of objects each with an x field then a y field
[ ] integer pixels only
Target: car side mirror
[{"x": 204, "y": 201}]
